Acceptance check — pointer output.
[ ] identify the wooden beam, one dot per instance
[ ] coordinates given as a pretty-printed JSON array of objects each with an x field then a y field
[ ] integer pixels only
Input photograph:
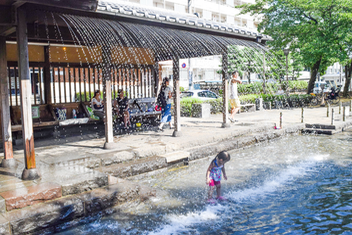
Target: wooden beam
[
  {"x": 30, "y": 172},
  {"x": 225, "y": 107},
  {"x": 109, "y": 132},
  {"x": 176, "y": 93},
  {"x": 8, "y": 160},
  {"x": 47, "y": 77}
]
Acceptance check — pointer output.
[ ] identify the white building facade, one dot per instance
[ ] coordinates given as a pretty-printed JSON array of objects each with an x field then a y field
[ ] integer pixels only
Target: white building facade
[{"x": 222, "y": 11}]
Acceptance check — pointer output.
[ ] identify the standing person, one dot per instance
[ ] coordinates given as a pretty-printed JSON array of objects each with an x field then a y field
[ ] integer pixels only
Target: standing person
[
  {"x": 98, "y": 105},
  {"x": 234, "y": 101},
  {"x": 166, "y": 94},
  {"x": 121, "y": 104},
  {"x": 213, "y": 176}
]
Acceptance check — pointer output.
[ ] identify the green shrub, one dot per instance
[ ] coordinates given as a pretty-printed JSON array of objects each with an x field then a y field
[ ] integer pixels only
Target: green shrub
[
  {"x": 215, "y": 105},
  {"x": 186, "y": 105}
]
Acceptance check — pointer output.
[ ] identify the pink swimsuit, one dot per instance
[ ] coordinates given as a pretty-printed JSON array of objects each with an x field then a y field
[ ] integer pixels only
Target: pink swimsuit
[{"x": 215, "y": 174}]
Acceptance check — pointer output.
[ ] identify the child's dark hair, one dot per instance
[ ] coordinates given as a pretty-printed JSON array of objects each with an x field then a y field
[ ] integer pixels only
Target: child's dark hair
[{"x": 223, "y": 155}]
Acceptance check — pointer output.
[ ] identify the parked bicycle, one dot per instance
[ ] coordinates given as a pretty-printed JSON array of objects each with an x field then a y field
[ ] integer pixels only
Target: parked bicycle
[{"x": 333, "y": 97}]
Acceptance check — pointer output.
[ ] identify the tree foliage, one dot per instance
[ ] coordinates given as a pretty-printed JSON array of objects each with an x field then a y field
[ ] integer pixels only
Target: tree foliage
[{"x": 319, "y": 29}]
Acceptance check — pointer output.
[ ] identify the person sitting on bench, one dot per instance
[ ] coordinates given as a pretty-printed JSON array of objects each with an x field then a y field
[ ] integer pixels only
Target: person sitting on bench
[
  {"x": 98, "y": 105},
  {"x": 121, "y": 104}
]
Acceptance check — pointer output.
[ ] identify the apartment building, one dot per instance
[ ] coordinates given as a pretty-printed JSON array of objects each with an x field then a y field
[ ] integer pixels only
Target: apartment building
[{"x": 222, "y": 11}]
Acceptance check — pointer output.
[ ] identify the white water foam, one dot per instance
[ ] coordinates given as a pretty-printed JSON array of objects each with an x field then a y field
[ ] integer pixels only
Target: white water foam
[
  {"x": 181, "y": 223},
  {"x": 273, "y": 184}
]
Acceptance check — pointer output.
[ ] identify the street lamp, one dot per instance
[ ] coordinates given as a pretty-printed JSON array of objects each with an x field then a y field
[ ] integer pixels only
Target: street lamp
[{"x": 286, "y": 52}]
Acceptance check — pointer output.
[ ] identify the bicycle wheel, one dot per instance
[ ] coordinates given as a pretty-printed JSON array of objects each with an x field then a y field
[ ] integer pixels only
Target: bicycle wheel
[
  {"x": 336, "y": 100},
  {"x": 314, "y": 101}
]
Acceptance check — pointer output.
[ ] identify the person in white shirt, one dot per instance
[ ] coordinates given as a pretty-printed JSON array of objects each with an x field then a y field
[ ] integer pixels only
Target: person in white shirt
[
  {"x": 98, "y": 105},
  {"x": 234, "y": 101}
]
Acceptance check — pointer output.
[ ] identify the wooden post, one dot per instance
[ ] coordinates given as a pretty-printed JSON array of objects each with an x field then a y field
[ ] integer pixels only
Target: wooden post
[
  {"x": 30, "y": 172},
  {"x": 177, "y": 106},
  {"x": 225, "y": 97},
  {"x": 350, "y": 105},
  {"x": 109, "y": 132},
  {"x": 47, "y": 77},
  {"x": 344, "y": 114},
  {"x": 8, "y": 160},
  {"x": 280, "y": 120},
  {"x": 302, "y": 115},
  {"x": 332, "y": 116},
  {"x": 327, "y": 110},
  {"x": 340, "y": 104}
]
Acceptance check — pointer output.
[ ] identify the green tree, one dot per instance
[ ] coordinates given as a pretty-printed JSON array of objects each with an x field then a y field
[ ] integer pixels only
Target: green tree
[{"x": 319, "y": 29}]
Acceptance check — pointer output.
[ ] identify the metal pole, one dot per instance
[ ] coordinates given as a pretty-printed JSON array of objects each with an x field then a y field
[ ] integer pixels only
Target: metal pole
[
  {"x": 302, "y": 115},
  {"x": 30, "y": 172},
  {"x": 332, "y": 116},
  {"x": 280, "y": 120},
  {"x": 340, "y": 104},
  {"x": 225, "y": 105},
  {"x": 177, "y": 106},
  {"x": 327, "y": 110},
  {"x": 8, "y": 160},
  {"x": 350, "y": 105}
]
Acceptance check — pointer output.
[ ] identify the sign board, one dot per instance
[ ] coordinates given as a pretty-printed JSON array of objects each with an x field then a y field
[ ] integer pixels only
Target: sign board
[
  {"x": 35, "y": 112},
  {"x": 183, "y": 65}
]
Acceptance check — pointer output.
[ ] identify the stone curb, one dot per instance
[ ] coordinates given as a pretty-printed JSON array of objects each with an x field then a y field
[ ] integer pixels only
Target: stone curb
[{"x": 50, "y": 215}]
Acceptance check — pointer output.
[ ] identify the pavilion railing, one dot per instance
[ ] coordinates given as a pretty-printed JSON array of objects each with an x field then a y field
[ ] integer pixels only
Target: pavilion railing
[{"x": 77, "y": 83}]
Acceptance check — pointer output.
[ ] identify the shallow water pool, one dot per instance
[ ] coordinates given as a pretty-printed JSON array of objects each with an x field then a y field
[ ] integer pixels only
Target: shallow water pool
[{"x": 294, "y": 185}]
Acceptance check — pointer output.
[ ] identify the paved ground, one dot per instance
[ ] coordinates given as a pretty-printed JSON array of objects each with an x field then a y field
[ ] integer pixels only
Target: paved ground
[{"x": 79, "y": 164}]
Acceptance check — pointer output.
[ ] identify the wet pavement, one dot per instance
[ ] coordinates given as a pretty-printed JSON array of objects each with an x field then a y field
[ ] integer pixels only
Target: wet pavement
[{"x": 71, "y": 166}]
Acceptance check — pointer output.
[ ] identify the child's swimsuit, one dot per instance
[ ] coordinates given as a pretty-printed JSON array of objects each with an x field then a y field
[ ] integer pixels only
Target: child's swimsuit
[{"x": 215, "y": 173}]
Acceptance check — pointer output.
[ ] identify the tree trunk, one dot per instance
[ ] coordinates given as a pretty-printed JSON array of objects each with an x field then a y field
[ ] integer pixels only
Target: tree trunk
[
  {"x": 348, "y": 71},
  {"x": 313, "y": 76},
  {"x": 249, "y": 78}
]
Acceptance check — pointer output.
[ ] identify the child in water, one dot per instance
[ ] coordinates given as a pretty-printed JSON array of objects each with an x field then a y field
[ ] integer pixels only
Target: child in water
[{"x": 213, "y": 175}]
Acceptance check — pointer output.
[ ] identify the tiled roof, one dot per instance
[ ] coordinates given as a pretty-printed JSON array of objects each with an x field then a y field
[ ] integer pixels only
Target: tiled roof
[{"x": 138, "y": 11}]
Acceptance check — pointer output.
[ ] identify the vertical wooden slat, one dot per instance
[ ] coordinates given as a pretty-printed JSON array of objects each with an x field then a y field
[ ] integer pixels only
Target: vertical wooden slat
[
  {"x": 80, "y": 83},
  {"x": 85, "y": 83},
  {"x": 9, "y": 79},
  {"x": 133, "y": 91},
  {"x": 119, "y": 79},
  {"x": 65, "y": 90},
  {"x": 47, "y": 77},
  {"x": 40, "y": 77},
  {"x": 94, "y": 79},
  {"x": 8, "y": 160},
  {"x": 33, "y": 86},
  {"x": 99, "y": 72},
  {"x": 16, "y": 90},
  {"x": 145, "y": 81},
  {"x": 113, "y": 77},
  {"x": 139, "y": 82},
  {"x": 74, "y": 84},
  {"x": 70, "y": 83},
  {"x": 54, "y": 87},
  {"x": 89, "y": 82},
  {"x": 59, "y": 83}
]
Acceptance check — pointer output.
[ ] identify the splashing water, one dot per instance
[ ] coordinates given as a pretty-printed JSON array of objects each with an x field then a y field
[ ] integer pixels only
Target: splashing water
[{"x": 295, "y": 185}]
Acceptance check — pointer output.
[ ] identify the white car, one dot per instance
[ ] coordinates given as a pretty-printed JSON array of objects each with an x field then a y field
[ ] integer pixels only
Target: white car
[{"x": 200, "y": 94}]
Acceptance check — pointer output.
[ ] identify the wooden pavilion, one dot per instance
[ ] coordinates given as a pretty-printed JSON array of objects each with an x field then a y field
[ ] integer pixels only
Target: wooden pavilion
[{"x": 41, "y": 64}]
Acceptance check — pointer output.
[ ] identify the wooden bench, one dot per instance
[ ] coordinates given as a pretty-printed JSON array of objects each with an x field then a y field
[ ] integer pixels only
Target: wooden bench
[
  {"x": 141, "y": 110},
  {"x": 247, "y": 107}
]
